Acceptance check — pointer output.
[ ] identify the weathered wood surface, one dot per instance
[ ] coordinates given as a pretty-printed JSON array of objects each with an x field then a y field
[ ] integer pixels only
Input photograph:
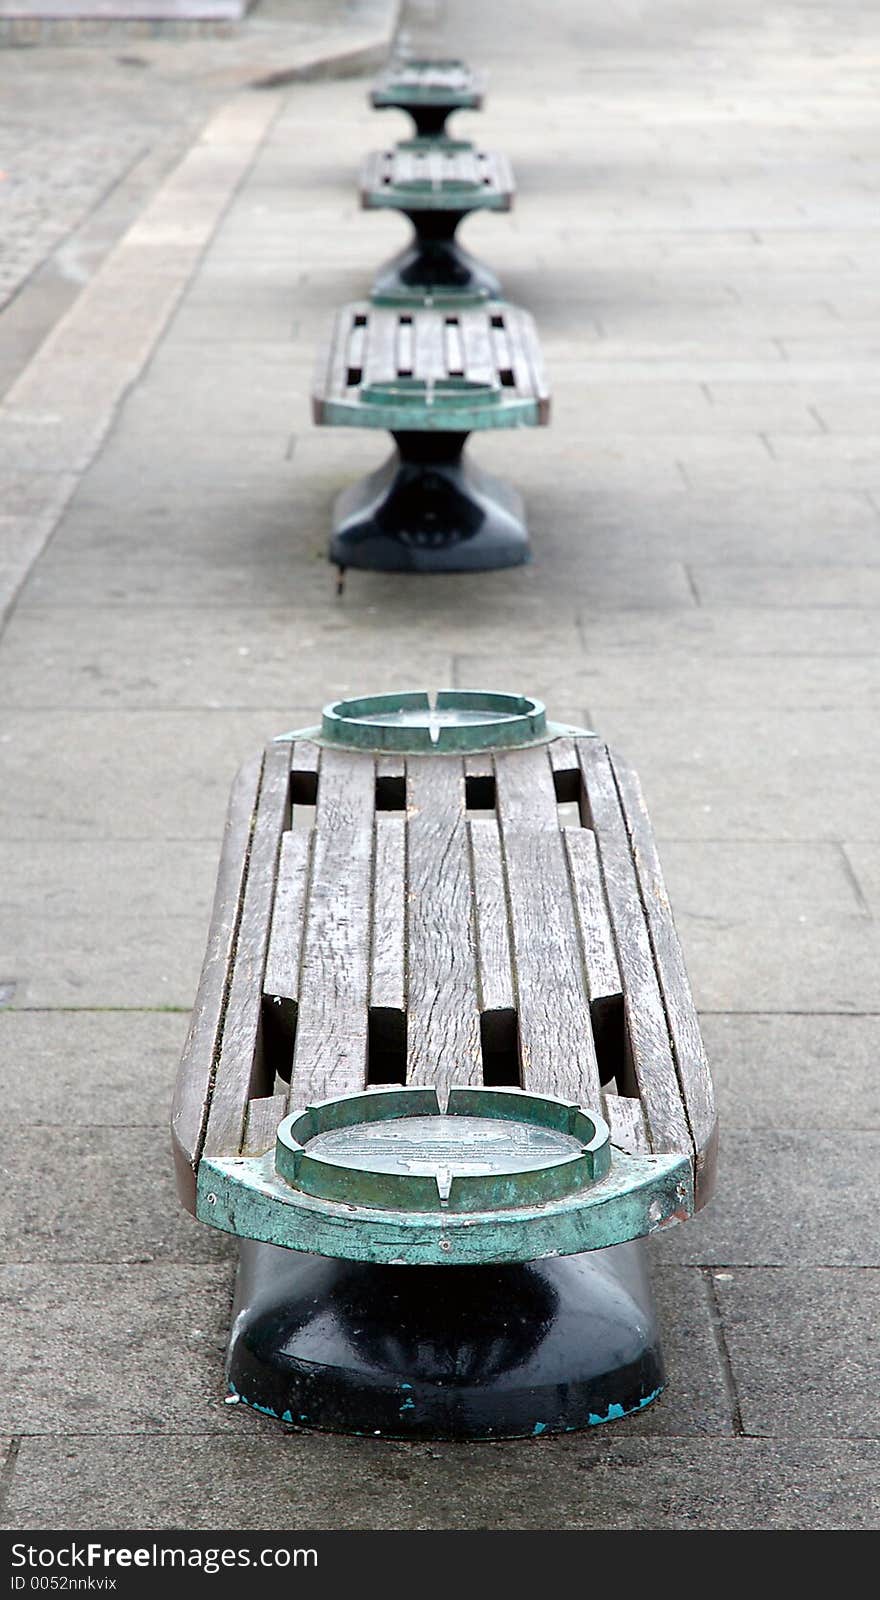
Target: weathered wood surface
[
  {"x": 429, "y": 176},
  {"x": 428, "y": 368},
  {"x": 192, "y": 1094},
  {"x": 443, "y": 1021},
  {"x": 435, "y": 918}
]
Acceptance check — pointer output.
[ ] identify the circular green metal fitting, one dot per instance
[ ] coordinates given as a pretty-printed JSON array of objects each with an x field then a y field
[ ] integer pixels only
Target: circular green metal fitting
[
  {"x": 456, "y": 720},
  {"x": 396, "y": 1150}
]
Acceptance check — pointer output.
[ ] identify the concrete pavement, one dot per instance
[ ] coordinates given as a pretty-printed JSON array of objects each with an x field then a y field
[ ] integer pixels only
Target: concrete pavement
[{"x": 695, "y": 232}]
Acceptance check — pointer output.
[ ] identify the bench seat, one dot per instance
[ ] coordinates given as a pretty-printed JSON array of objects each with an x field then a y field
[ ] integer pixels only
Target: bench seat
[
  {"x": 429, "y": 175},
  {"x": 440, "y": 920},
  {"x": 430, "y": 377},
  {"x": 430, "y": 90}
]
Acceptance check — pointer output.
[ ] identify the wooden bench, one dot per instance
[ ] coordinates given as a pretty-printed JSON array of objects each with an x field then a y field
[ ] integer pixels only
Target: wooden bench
[
  {"x": 450, "y": 896},
  {"x": 435, "y": 186},
  {"x": 430, "y": 377},
  {"x": 430, "y": 91}
]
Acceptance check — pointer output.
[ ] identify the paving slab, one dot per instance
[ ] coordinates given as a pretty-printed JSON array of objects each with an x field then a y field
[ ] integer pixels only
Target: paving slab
[
  {"x": 90, "y": 1069},
  {"x": 307, "y": 1482},
  {"x": 786, "y": 1198},
  {"x": 149, "y": 776},
  {"x": 716, "y": 683},
  {"x": 823, "y": 1327},
  {"x": 795, "y": 1071},
  {"x": 121, "y": 1348},
  {"x": 50, "y": 1176}
]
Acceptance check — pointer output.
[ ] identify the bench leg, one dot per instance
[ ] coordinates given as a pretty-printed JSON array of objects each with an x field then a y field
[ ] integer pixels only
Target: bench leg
[
  {"x": 434, "y": 265},
  {"x": 446, "y": 1352},
  {"x": 429, "y": 509},
  {"x": 430, "y": 121}
]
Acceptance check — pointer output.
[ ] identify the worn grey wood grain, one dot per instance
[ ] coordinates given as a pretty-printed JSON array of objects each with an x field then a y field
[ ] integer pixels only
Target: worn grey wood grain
[
  {"x": 687, "y": 1044},
  {"x": 494, "y": 957},
  {"x": 282, "y": 976},
  {"x": 330, "y": 1054},
  {"x": 626, "y": 1120},
  {"x": 388, "y": 941},
  {"x": 261, "y": 1123},
  {"x": 443, "y": 1043},
  {"x": 525, "y": 789},
  {"x": 239, "y": 1066},
  {"x": 648, "y": 1035},
  {"x": 594, "y": 926},
  {"x": 191, "y": 1096},
  {"x": 556, "y": 1037}
]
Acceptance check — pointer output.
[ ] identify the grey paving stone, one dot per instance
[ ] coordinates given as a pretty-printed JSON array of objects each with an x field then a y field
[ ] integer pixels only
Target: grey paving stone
[
  {"x": 716, "y": 681},
  {"x": 92, "y": 1068},
  {"x": 713, "y": 881},
  {"x": 52, "y": 1174},
  {"x": 795, "y": 1071},
  {"x": 782, "y": 586},
  {"x": 787, "y": 962},
  {"x": 192, "y": 658},
  {"x": 271, "y": 1480},
  {"x": 864, "y": 863},
  {"x": 89, "y": 924},
  {"x": 731, "y": 631},
  {"x": 753, "y": 774},
  {"x": 120, "y": 961},
  {"x": 821, "y": 1326},
  {"x": 149, "y": 775},
  {"x": 104, "y": 1349},
  {"x": 786, "y": 1198}
]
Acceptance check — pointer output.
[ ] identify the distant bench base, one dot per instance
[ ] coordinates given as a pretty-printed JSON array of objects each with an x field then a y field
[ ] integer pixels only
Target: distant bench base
[
  {"x": 434, "y": 269},
  {"x": 429, "y": 509},
  {"x": 447, "y": 1352}
]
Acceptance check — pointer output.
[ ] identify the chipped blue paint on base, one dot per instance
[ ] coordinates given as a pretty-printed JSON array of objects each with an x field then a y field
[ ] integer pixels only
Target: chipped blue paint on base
[{"x": 613, "y": 1413}]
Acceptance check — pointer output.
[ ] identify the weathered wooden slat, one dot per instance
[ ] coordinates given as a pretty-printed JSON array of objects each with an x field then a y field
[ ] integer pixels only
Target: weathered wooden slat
[
  {"x": 261, "y": 1123},
  {"x": 305, "y": 761},
  {"x": 525, "y": 789},
  {"x": 563, "y": 755},
  {"x": 238, "y": 1070},
  {"x": 330, "y": 1054},
  {"x": 281, "y": 980},
  {"x": 627, "y": 1123},
  {"x": 556, "y": 1037},
  {"x": 480, "y": 765},
  {"x": 600, "y": 956},
  {"x": 430, "y": 353},
  {"x": 191, "y": 1096},
  {"x": 494, "y": 960},
  {"x": 690, "y": 1056},
  {"x": 455, "y": 361},
  {"x": 443, "y": 1042},
  {"x": 388, "y": 941},
  {"x": 524, "y": 339},
  {"x": 648, "y": 1035},
  {"x": 479, "y": 359},
  {"x": 405, "y": 359},
  {"x": 380, "y": 355}
]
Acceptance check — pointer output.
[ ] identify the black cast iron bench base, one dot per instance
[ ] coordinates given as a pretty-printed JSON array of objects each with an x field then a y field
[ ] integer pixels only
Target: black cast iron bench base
[
  {"x": 444, "y": 1352},
  {"x": 429, "y": 509}
]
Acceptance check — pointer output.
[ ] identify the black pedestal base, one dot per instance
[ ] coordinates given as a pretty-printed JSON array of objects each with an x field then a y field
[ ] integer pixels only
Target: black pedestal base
[
  {"x": 428, "y": 509},
  {"x": 434, "y": 268},
  {"x": 444, "y": 1352}
]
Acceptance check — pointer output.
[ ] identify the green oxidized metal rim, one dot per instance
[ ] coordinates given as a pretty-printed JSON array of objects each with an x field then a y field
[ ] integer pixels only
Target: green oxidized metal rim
[
  {"x": 458, "y": 720},
  {"x": 499, "y": 722},
  {"x": 626, "y": 1197},
  {"x": 576, "y": 1149}
]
